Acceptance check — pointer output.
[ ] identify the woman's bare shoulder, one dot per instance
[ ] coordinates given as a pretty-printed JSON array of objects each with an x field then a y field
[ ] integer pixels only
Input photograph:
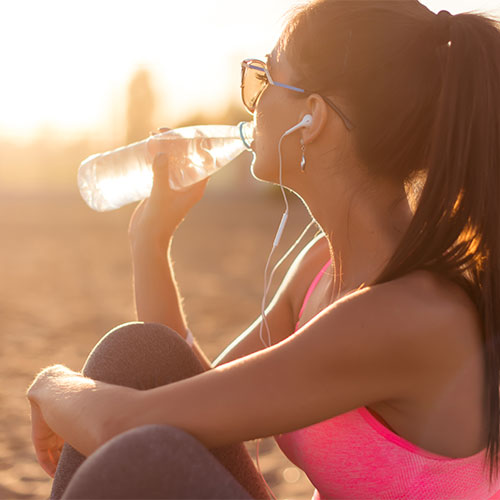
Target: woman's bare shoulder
[
  {"x": 439, "y": 310},
  {"x": 437, "y": 294}
]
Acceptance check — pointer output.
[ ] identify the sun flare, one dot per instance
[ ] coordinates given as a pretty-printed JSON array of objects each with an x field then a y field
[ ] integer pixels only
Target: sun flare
[{"x": 67, "y": 64}]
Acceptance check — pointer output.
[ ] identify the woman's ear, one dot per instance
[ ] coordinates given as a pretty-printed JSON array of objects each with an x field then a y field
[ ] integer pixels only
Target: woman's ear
[{"x": 317, "y": 108}]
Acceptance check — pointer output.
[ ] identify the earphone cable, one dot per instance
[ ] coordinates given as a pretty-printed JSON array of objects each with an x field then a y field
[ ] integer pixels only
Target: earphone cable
[
  {"x": 268, "y": 281},
  {"x": 277, "y": 239}
]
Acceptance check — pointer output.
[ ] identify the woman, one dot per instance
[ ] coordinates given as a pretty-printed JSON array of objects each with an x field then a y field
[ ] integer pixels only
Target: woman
[{"x": 382, "y": 377}]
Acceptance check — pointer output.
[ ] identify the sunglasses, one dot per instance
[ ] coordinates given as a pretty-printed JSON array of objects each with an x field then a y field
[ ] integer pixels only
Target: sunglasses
[{"x": 255, "y": 78}]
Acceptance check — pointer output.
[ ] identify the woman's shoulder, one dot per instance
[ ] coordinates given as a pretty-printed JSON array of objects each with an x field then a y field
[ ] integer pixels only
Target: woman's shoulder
[
  {"x": 430, "y": 308},
  {"x": 433, "y": 293}
]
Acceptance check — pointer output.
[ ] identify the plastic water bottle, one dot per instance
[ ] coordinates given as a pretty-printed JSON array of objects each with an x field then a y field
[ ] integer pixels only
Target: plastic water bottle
[{"x": 110, "y": 180}]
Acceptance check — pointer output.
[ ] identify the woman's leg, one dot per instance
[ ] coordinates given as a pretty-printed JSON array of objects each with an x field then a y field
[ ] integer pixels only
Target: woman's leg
[
  {"x": 144, "y": 356},
  {"x": 153, "y": 461}
]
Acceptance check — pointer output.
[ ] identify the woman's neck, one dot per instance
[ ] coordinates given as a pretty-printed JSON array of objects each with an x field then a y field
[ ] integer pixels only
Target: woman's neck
[{"x": 363, "y": 232}]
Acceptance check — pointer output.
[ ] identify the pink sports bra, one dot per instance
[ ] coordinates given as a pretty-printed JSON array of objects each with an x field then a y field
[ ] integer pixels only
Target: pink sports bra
[{"x": 354, "y": 456}]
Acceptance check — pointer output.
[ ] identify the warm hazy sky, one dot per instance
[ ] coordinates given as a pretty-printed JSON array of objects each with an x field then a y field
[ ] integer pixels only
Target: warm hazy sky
[{"x": 66, "y": 63}]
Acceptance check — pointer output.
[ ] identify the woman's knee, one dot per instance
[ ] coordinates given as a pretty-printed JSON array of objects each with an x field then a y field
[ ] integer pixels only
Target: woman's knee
[
  {"x": 148, "y": 445},
  {"x": 130, "y": 463},
  {"x": 141, "y": 355},
  {"x": 159, "y": 461}
]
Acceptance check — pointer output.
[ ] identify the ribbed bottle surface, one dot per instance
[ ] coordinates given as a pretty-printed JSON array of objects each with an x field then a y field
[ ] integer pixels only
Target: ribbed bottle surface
[{"x": 110, "y": 180}]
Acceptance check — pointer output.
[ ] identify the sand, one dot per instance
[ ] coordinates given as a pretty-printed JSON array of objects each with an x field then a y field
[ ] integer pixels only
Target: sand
[{"x": 66, "y": 281}]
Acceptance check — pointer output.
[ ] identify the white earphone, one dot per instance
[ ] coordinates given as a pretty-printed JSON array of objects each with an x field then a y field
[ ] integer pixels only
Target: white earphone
[{"x": 305, "y": 122}]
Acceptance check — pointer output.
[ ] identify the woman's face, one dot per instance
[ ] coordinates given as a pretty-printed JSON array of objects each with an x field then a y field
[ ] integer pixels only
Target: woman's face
[{"x": 278, "y": 109}]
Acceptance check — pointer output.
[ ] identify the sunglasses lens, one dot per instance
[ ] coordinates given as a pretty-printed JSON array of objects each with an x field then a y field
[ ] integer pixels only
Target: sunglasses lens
[{"x": 254, "y": 81}]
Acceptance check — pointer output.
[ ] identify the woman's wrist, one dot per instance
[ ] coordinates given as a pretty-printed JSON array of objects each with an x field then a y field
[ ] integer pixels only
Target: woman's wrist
[
  {"x": 149, "y": 234},
  {"x": 150, "y": 244}
]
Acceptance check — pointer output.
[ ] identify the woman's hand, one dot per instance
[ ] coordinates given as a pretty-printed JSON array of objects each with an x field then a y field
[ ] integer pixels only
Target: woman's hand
[
  {"x": 155, "y": 219},
  {"x": 66, "y": 406},
  {"x": 47, "y": 443}
]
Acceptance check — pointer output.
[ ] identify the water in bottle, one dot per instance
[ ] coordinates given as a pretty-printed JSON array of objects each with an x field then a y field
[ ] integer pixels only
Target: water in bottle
[{"x": 110, "y": 180}]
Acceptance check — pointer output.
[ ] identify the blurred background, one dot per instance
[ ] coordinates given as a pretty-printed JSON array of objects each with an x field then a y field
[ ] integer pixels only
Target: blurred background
[{"x": 82, "y": 77}]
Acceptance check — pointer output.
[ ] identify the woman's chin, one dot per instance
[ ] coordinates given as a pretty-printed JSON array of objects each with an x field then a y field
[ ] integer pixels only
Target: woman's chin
[
  {"x": 257, "y": 171},
  {"x": 262, "y": 171}
]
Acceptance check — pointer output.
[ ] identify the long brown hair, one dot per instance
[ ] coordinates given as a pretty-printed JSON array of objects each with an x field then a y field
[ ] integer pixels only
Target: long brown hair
[{"x": 424, "y": 94}]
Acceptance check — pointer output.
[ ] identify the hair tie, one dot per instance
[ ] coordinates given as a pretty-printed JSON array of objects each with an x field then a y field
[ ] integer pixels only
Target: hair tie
[{"x": 442, "y": 25}]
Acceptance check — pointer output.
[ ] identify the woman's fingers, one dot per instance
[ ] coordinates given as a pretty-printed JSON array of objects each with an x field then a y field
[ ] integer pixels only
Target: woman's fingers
[
  {"x": 46, "y": 442},
  {"x": 161, "y": 130},
  {"x": 184, "y": 198},
  {"x": 157, "y": 217},
  {"x": 160, "y": 168},
  {"x": 46, "y": 462},
  {"x": 47, "y": 458}
]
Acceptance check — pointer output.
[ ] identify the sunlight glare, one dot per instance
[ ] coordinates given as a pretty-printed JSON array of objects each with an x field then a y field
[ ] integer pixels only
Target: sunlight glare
[{"x": 67, "y": 64}]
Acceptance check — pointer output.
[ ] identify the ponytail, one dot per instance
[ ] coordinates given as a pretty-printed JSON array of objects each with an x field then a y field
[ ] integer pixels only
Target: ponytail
[
  {"x": 456, "y": 227},
  {"x": 424, "y": 92}
]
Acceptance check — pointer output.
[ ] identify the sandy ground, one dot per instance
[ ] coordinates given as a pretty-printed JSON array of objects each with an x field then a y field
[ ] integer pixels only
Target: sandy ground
[{"x": 66, "y": 281}]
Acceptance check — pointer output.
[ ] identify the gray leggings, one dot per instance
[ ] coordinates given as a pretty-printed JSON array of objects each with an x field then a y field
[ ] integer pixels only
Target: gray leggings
[{"x": 153, "y": 461}]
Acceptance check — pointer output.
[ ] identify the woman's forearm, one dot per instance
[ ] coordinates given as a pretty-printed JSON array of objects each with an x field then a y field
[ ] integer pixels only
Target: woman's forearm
[
  {"x": 151, "y": 229},
  {"x": 157, "y": 298}
]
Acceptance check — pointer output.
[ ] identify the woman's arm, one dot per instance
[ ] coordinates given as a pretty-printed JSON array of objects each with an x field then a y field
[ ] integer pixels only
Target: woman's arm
[
  {"x": 78, "y": 407},
  {"x": 157, "y": 297},
  {"x": 367, "y": 348},
  {"x": 357, "y": 352},
  {"x": 151, "y": 231}
]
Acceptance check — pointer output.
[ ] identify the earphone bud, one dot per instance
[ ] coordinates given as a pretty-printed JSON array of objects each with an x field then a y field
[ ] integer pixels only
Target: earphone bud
[{"x": 305, "y": 122}]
